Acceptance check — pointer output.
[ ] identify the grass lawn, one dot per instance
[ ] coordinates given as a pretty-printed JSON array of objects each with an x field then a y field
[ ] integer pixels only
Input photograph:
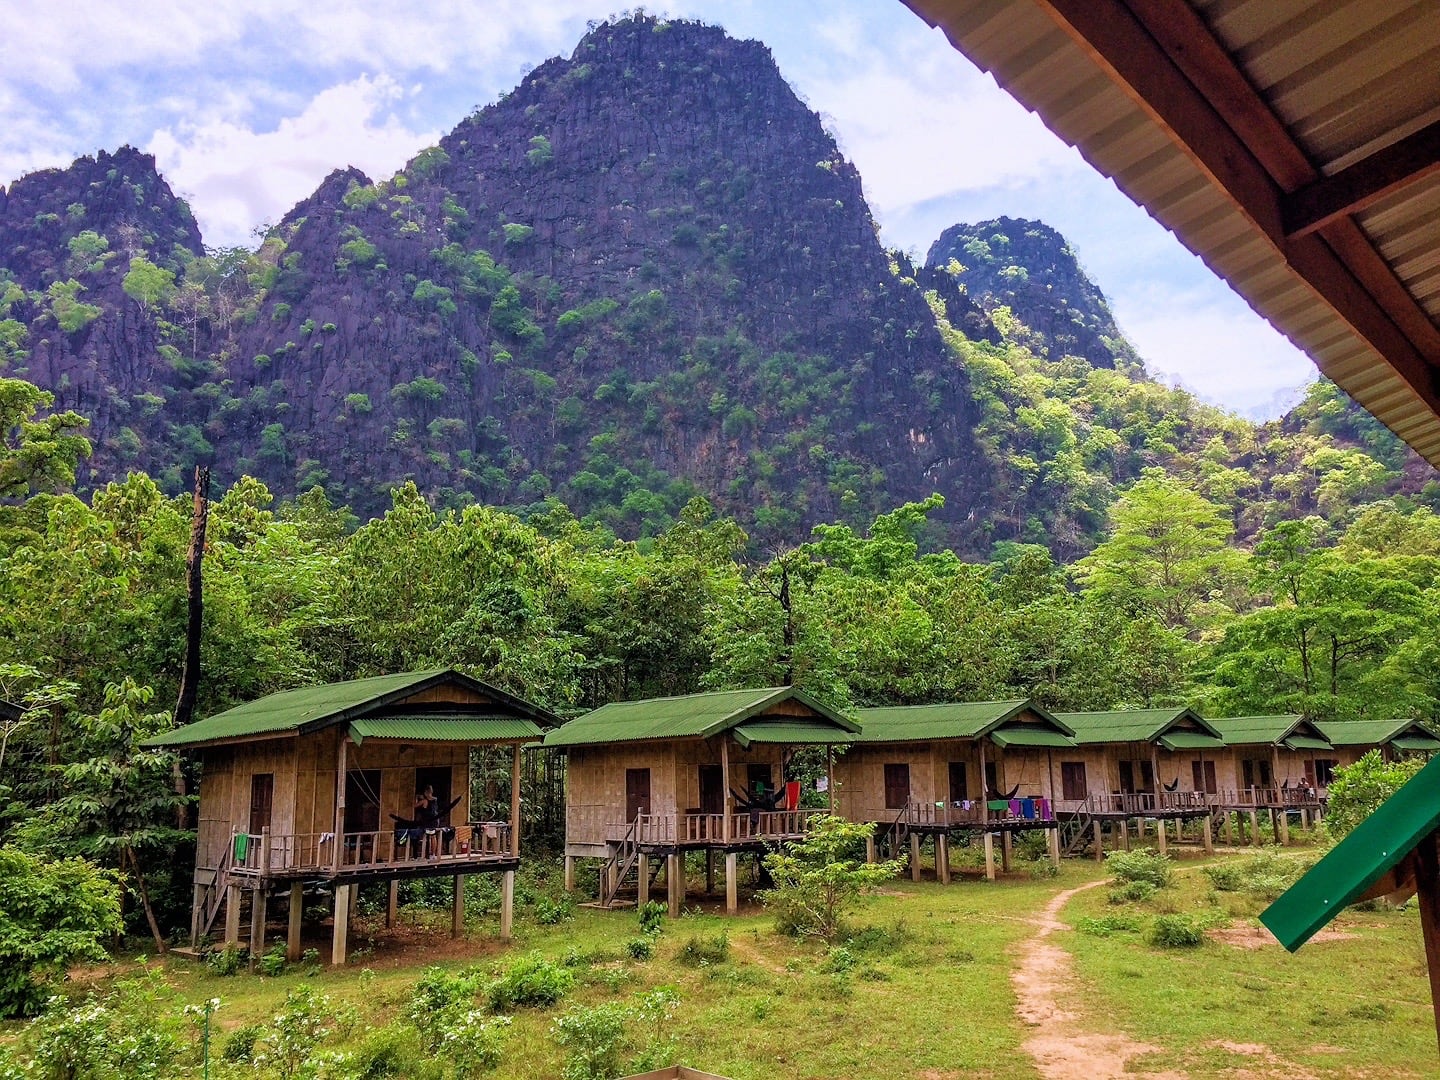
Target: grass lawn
[{"x": 1354, "y": 1003}]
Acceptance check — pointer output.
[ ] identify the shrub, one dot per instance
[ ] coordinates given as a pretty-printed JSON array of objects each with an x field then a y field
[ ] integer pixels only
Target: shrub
[
  {"x": 652, "y": 917},
  {"x": 641, "y": 948},
  {"x": 1265, "y": 876},
  {"x": 552, "y": 912},
  {"x": 1358, "y": 789},
  {"x": 822, "y": 877},
  {"x": 286, "y": 1045},
  {"x": 1176, "y": 932},
  {"x": 596, "y": 1037},
  {"x": 700, "y": 950},
  {"x": 1134, "y": 892},
  {"x": 240, "y": 1043},
  {"x": 52, "y": 914},
  {"x": 1142, "y": 865},
  {"x": 1107, "y": 925},
  {"x": 128, "y": 1033},
  {"x": 272, "y": 963},
  {"x": 531, "y": 980},
  {"x": 227, "y": 961}
]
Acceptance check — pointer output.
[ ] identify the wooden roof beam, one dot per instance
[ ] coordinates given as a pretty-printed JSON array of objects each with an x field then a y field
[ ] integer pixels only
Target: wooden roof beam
[
  {"x": 1358, "y": 186},
  {"x": 1169, "y": 67}
]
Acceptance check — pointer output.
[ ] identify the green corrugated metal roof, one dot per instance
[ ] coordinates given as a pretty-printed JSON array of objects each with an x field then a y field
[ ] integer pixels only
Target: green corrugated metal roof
[
  {"x": 1352, "y": 866},
  {"x": 1306, "y": 742},
  {"x": 1367, "y": 732},
  {"x": 1190, "y": 740},
  {"x": 1030, "y": 735},
  {"x": 1253, "y": 730},
  {"x": 689, "y": 716},
  {"x": 464, "y": 729},
  {"x": 792, "y": 732},
  {"x": 1427, "y": 743},
  {"x": 953, "y": 720},
  {"x": 309, "y": 708},
  {"x": 1129, "y": 725}
]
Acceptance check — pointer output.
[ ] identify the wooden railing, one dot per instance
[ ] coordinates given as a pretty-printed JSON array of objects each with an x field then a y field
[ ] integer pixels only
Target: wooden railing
[
  {"x": 265, "y": 853},
  {"x": 666, "y": 830},
  {"x": 970, "y": 813},
  {"x": 1267, "y": 798},
  {"x": 1137, "y": 804}
]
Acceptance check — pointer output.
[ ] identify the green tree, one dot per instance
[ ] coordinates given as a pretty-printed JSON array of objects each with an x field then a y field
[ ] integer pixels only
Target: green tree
[
  {"x": 822, "y": 878},
  {"x": 147, "y": 284},
  {"x": 1357, "y": 790}
]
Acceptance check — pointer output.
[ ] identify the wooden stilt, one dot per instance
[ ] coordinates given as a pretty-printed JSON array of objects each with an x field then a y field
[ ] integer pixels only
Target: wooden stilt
[
  {"x": 197, "y": 902},
  {"x": 232, "y": 915},
  {"x": 392, "y": 904},
  {"x": 507, "y": 905},
  {"x": 990, "y": 855},
  {"x": 297, "y": 914},
  {"x": 870, "y": 857},
  {"x": 257, "y": 925},
  {"x": 340, "y": 939},
  {"x": 1099, "y": 842},
  {"x": 1161, "y": 838},
  {"x": 1207, "y": 834},
  {"x": 732, "y": 883},
  {"x": 642, "y": 869},
  {"x": 457, "y": 907},
  {"x": 1140, "y": 829},
  {"x": 1427, "y": 889},
  {"x": 914, "y": 856},
  {"x": 1007, "y": 850},
  {"x": 1124, "y": 834},
  {"x": 1229, "y": 829},
  {"x": 1254, "y": 828},
  {"x": 1283, "y": 817},
  {"x": 674, "y": 889},
  {"x": 1052, "y": 837},
  {"x": 1305, "y": 820},
  {"x": 942, "y": 858},
  {"x": 569, "y": 873}
]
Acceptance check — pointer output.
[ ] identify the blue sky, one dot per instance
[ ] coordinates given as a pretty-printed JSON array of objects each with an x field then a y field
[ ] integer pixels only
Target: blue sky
[{"x": 247, "y": 104}]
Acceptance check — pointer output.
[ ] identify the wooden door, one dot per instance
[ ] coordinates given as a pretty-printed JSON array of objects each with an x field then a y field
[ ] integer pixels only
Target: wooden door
[
  {"x": 1127, "y": 778},
  {"x": 992, "y": 780},
  {"x": 637, "y": 793},
  {"x": 758, "y": 777},
  {"x": 712, "y": 789},
  {"x": 1203, "y": 775},
  {"x": 897, "y": 786},
  {"x": 1072, "y": 781},
  {"x": 959, "y": 783},
  {"x": 262, "y": 800}
]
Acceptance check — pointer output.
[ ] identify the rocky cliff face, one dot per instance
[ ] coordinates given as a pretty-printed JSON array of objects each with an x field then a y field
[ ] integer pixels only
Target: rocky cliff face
[{"x": 1028, "y": 267}]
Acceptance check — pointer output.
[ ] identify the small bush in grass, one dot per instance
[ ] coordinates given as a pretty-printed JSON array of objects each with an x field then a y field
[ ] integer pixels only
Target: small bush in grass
[
  {"x": 385, "y": 1052},
  {"x": 881, "y": 939},
  {"x": 272, "y": 961},
  {"x": 1133, "y": 892},
  {"x": 240, "y": 1044},
  {"x": 1176, "y": 932},
  {"x": 652, "y": 917},
  {"x": 1108, "y": 924},
  {"x": 576, "y": 957},
  {"x": 1265, "y": 876},
  {"x": 701, "y": 950},
  {"x": 1142, "y": 865},
  {"x": 641, "y": 948},
  {"x": 819, "y": 879},
  {"x": 225, "y": 962},
  {"x": 531, "y": 980},
  {"x": 552, "y": 912}
]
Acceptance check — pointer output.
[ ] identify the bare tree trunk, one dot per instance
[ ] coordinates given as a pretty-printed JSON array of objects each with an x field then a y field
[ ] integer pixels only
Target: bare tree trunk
[
  {"x": 160, "y": 945},
  {"x": 190, "y": 676}
]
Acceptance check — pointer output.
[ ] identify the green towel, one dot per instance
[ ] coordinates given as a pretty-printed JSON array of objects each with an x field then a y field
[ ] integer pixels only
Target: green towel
[{"x": 242, "y": 845}]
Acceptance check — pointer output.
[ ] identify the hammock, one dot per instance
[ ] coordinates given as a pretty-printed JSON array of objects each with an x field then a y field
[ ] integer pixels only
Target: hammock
[
  {"x": 996, "y": 796},
  {"x": 1171, "y": 786},
  {"x": 415, "y": 823}
]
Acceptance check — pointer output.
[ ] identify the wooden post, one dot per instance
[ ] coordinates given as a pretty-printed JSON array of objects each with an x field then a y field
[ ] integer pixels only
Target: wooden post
[
  {"x": 1099, "y": 846},
  {"x": 642, "y": 887},
  {"x": 507, "y": 905},
  {"x": 232, "y": 915},
  {"x": 1124, "y": 834},
  {"x": 257, "y": 923},
  {"x": 1427, "y": 888},
  {"x": 569, "y": 873},
  {"x": 984, "y": 789},
  {"x": 990, "y": 855},
  {"x": 197, "y": 902},
  {"x": 338, "y": 842},
  {"x": 1283, "y": 817},
  {"x": 1052, "y": 837},
  {"x": 297, "y": 915},
  {"x": 457, "y": 907},
  {"x": 1229, "y": 829},
  {"x": 1007, "y": 848},
  {"x": 830, "y": 776},
  {"x": 1160, "y": 835},
  {"x": 515, "y": 804},
  {"x": 1254, "y": 828},
  {"x": 673, "y": 888},
  {"x": 1207, "y": 836},
  {"x": 914, "y": 856},
  {"x": 732, "y": 883},
  {"x": 339, "y": 940},
  {"x": 725, "y": 784},
  {"x": 392, "y": 904},
  {"x": 1140, "y": 828},
  {"x": 942, "y": 857},
  {"x": 870, "y": 855}
]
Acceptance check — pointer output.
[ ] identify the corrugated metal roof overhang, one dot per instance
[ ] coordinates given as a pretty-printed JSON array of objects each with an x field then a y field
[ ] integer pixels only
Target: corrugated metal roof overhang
[
  {"x": 792, "y": 733},
  {"x": 1030, "y": 735},
  {"x": 444, "y": 729},
  {"x": 1190, "y": 740},
  {"x": 1361, "y": 294},
  {"x": 1416, "y": 742},
  {"x": 1305, "y": 742}
]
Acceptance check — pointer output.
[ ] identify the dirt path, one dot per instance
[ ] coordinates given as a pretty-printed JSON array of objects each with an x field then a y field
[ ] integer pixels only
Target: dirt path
[{"x": 1043, "y": 981}]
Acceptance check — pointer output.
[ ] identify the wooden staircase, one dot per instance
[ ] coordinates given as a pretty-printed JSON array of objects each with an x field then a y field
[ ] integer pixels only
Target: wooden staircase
[
  {"x": 214, "y": 898},
  {"x": 618, "y": 869},
  {"x": 1076, "y": 832}
]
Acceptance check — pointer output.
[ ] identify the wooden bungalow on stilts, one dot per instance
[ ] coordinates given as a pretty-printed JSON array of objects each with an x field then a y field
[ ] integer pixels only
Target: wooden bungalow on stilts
[
  {"x": 318, "y": 787},
  {"x": 649, "y": 781},
  {"x": 1270, "y": 765},
  {"x": 1135, "y": 766},
  {"x": 1353, "y": 739},
  {"x": 972, "y": 769}
]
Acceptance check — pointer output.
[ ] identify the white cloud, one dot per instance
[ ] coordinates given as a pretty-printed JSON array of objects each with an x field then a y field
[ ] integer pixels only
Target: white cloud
[{"x": 237, "y": 178}]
